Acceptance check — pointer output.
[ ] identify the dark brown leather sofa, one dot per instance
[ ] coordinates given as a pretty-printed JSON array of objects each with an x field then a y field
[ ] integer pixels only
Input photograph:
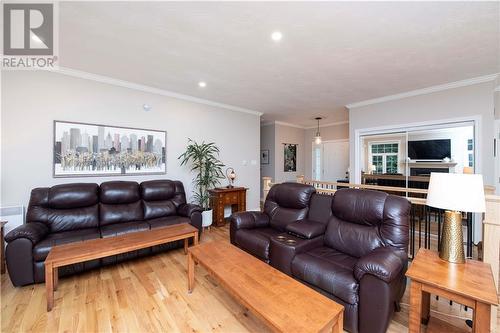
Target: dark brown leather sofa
[
  {"x": 81, "y": 211},
  {"x": 351, "y": 247}
]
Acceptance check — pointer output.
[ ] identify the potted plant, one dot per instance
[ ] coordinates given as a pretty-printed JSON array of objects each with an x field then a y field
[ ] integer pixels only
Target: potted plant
[{"x": 204, "y": 160}]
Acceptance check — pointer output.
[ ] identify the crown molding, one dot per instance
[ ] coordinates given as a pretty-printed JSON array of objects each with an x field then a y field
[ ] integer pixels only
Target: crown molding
[
  {"x": 336, "y": 123},
  {"x": 282, "y": 123},
  {"x": 497, "y": 89},
  {"x": 424, "y": 91},
  {"x": 140, "y": 87}
]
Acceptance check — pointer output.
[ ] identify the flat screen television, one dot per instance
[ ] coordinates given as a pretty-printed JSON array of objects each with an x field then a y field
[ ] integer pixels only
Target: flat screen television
[{"x": 429, "y": 149}]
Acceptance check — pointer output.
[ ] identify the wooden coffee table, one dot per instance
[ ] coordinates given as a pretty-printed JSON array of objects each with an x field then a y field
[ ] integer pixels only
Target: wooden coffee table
[
  {"x": 285, "y": 304},
  {"x": 67, "y": 254}
]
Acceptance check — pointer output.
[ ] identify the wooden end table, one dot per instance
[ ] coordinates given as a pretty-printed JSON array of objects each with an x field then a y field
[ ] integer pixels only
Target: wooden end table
[
  {"x": 470, "y": 284},
  {"x": 2, "y": 253}
]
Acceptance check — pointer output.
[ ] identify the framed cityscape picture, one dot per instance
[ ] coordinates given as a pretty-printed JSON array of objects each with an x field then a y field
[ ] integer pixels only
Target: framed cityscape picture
[
  {"x": 90, "y": 150},
  {"x": 290, "y": 157}
]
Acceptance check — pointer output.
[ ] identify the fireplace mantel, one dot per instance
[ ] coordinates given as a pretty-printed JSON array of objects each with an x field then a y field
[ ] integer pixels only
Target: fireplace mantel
[{"x": 444, "y": 165}]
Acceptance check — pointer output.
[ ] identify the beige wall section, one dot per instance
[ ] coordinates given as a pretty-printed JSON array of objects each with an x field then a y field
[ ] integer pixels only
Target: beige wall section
[
  {"x": 288, "y": 134},
  {"x": 335, "y": 132},
  {"x": 32, "y": 100},
  {"x": 267, "y": 137},
  {"x": 470, "y": 101}
]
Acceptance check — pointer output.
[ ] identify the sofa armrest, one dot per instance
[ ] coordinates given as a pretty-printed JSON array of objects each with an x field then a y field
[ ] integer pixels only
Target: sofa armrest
[
  {"x": 34, "y": 231},
  {"x": 385, "y": 263},
  {"x": 306, "y": 229},
  {"x": 249, "y": 220},
  {"x": 188, "y": 209}
]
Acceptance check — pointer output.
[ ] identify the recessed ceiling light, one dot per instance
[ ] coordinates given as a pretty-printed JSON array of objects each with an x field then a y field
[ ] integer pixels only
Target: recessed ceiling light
[
  {"x": 147, "y": 107},
  {"x": 202, "y": 84},
  {"x": 36, "y": 38},
  {"x": 276, "y": 36}
]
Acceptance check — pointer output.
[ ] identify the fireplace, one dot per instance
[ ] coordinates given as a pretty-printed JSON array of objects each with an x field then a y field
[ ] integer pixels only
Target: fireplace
[{"x": 426, "y": 171}]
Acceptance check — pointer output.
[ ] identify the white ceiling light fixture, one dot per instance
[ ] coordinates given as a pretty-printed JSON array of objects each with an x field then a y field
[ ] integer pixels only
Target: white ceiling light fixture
[
  {"x": 202, "y": 84},
  {"x": 317, "y": 138},
  {"x": 276, "y": 36},
  {"x": 147, "y": 107}
]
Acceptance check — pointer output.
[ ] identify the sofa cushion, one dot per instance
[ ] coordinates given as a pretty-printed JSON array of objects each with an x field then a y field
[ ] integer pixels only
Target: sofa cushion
[
  {"x": 353, "y": 239},
  {"x": 320, "y": 208},
  {"x": 110, "y": 214},
  {"x": 119, "y": 192},
  {"x": 363, "y": 207},
  {"x": 157, "y": 190},
  {"x": 306, "y": 229},
  {"x": 41, "y": 250},
  {"x": 73, "y": 195},
  {"x": 122, "y": 228},
  {"x": 256, "y": 241},
  {"x": 329, "y": 270},
  {"x": 154, "y": 209},
  {"x": 166, "y": 221}
]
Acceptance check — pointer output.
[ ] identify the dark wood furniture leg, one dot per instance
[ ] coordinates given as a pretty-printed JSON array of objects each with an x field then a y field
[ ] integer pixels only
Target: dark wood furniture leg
[{"x": 49, "y": 285}]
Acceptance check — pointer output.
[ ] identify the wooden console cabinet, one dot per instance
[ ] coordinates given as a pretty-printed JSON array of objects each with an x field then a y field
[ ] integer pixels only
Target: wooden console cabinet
[{"x": 235, "y": 197}]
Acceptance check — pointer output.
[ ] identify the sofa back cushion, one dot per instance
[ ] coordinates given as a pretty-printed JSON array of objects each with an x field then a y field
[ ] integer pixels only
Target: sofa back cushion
[
  {"x": 363, "y": 220},
  {"x": 320, "y": 208},
  {"x": 120, "y": 202},
  {"x": 65, "y": 207},
  {"x": 287, "y": 203},
  {"x": 161, "y": 197}
]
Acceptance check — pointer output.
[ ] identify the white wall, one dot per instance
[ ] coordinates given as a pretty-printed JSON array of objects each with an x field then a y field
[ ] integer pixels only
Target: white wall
[
  {"x": 470, "y": 101},
  {"x": 335, "y": 132},
  {"x": 32, "y": 100},
  {"x": 267, "y": 137},
  {"x": 288, "y": 134}
]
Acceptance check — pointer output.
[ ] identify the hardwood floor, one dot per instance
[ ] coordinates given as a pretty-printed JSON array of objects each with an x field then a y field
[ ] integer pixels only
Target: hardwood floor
[{"x": 150, "y": 295}]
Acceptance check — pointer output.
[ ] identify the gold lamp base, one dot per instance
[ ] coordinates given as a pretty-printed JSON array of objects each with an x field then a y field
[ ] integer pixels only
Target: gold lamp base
[{"x": 452, "y": 247}]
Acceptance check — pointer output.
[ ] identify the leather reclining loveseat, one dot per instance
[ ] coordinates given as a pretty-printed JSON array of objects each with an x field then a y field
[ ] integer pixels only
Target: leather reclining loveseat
[
  {"x": 80, "y": 211},
  {"x": 351, "y": 247}
]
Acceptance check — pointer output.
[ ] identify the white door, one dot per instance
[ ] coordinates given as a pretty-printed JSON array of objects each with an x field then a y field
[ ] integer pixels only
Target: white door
[{"x": 330, "y": 160}]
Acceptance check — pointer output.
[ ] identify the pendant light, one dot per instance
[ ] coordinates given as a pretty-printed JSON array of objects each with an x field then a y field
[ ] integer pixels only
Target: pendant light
[{"x": 317, "y": 138}]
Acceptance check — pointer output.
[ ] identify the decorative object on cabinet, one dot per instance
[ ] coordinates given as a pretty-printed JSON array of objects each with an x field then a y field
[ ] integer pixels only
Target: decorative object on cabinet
[{"x": 231, "y": 176}]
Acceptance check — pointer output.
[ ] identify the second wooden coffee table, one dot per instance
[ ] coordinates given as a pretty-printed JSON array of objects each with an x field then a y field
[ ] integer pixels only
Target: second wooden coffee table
[{"x": 284, "y": 304}]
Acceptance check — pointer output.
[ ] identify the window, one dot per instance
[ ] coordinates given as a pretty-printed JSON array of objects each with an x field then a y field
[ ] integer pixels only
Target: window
[
  {"x": 385, "y": 157},
  {"x": 470, "y": 144},
  {"x": 317, "y": 162}
]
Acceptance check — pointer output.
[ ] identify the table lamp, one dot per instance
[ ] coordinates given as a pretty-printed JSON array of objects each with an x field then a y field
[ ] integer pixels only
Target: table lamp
[
  {"x": 231, "y": 176},
  {"x": 455, "y": 193}
]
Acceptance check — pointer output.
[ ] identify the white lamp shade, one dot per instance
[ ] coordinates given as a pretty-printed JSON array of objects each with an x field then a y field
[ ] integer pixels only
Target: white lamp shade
[
  {"x": 456, "y": 191},
  {"x": 317, "y": 139}
]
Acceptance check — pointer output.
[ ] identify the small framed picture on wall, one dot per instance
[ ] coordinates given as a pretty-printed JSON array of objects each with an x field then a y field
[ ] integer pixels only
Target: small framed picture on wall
[
  {"x": 290, "y": 157},
  {"x": 264, "y": 156}
]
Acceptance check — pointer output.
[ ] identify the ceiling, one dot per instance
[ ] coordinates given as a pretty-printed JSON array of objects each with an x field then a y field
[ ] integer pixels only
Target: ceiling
[{"x": 331, "y": 54}]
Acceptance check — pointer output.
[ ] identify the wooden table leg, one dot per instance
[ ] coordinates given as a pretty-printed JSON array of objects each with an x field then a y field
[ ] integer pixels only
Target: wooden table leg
[
  {"x": 481, "y": 318},
  {"x": 49, "y": 285},
  {"x": 195, "y": 238},
  {"x": 415, "y": 307},
  {"x": 186, "y": 241},
  {"x": 56, "y": 277},
  {"x": 190, "y": 272},
  {"x": 338, "y": 327},
  {"x": 426, "y": 307}
]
